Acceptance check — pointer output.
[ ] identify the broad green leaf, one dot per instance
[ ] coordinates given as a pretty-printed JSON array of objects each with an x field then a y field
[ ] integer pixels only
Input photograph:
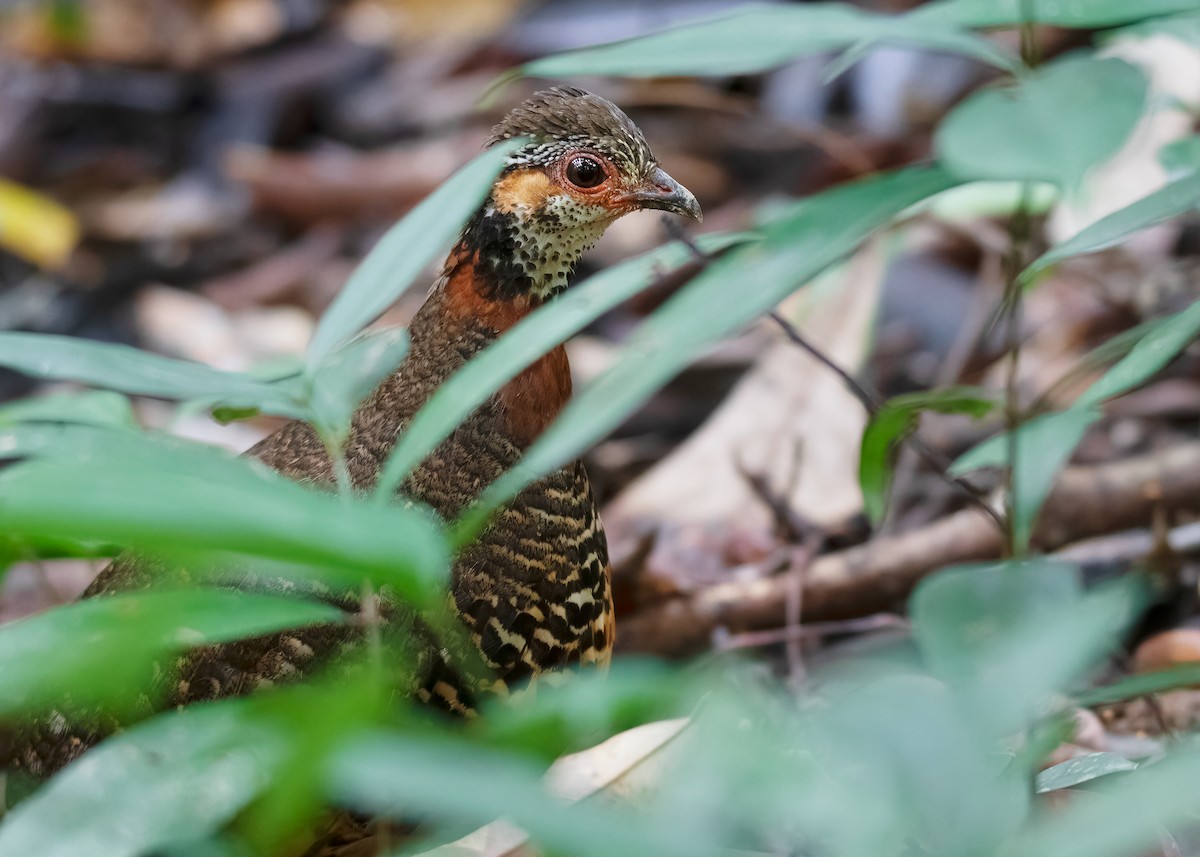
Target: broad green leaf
[
  {"x": 1054, "y": 125},
  {"x": 893, "y": 423},
  {"x": 173, "y": 780},
  {"x": 551, "y": 324},
  {"x": 1166, "y": 203},
  {"x": 960, "y": 613},
  {"x": 759, "y": 37},
  {"x": 1085, "y": 14},
  {"x": 917, "y": 769},
  {"x": 94, "y": 407},
  {"x": 1008, "y": 646},
  {"x": 101, "y": 650},
  {"x": 1187, "y": 675},
  {"x": 731, "y": 292},
  {"x": 1122, "y": 818},
  {"x": 140, "y": 373},
  {"x": 1043, "y": 446},
  {"x": 163, "y": 496},
  {"x": 1153, "y": 352},
  {"x": 349, "y": 374},
  {"x": 457, "y": 782},
  {"x": 406, "y": 249},
  {"x": 1075, "y": 772}
]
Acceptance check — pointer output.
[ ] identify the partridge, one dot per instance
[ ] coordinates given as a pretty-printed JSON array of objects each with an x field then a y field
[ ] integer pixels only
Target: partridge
[{"x": 533, "y": 590}]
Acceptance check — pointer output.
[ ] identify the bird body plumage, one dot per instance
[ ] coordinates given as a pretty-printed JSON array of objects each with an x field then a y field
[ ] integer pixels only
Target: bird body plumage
[{"x": 533, "y": 590}]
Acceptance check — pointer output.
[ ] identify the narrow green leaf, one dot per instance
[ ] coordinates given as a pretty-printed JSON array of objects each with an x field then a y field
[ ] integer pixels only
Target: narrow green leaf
[
  {"x": 1153, "y": 352},
  {"x": 140, "y": 373},
  {"x": 1063, "y": 13},
  {"x": 137, "y": 490},
  {"x": 549, "y": 325},
  {"x": 760, "y": 37},
  {"x": 171, "y": 781},
  {"x": 1054, "y": 125},
  {"x": 1166, "y": 203},
  {"x": 1044, "y": 445},
  {"x": 101, "y": 650},
  {"x": 1187, "y": 675},
  {"x": 1184, "y": 27},
  {"x": 1075, "y": 772},
  {"x": 351, "y": 373},
  {"x": 406, "y": 249},
  {"x": 895, "y": 421},
  {"x": 732, "y": 291},
  {"x": 93, "y": 407},
  {"x": 876, "y": 458}
]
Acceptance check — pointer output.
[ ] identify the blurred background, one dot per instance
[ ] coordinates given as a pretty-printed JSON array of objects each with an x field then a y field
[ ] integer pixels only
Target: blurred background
[{"x": 199, "y": 178}]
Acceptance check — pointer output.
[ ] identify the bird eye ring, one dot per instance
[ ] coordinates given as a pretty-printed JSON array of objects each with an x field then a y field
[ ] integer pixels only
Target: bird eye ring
[{"x": 585, "y": 172}]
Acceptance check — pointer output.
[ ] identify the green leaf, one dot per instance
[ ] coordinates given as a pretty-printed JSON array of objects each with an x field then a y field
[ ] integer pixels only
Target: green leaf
[
  {"x": 1181, "y": 157},
  {"x": 173, "y": 780},
  {"x": 1184, "y": 27},
  {"x": 1008, "y": 636},
  {"x": 102, "y": 650},
  {"x": 549, "y": 325},
  {"x": 892, "y": 424},
  {"x": 1153, "y": 352},
  {"x": 1186, "y": 675},
  {"x": 1124, "y": 817},
  {"x": 1166, "y": 203},
  {"x": 457, "y": 782},
  {"x": 585, "y": 710},
  {"x": 876, "y": 457},
  {"x": 1063, "y": 13},
  {"x": 960, "y": 613},
  {"x": 1083, "y": 769},
  {"x": 351, "y": 373},
  {"x": 1043, "y": 446},
  {"x": 93, "y": 407},
  {"x": 140, "y": 373},
  {"x": 163, "y": 496},
  {"x": 406, "y": 249},
  {"x": 732, "y": 291},
  {"x": 1054, "y": 125},
  {"x": 760, "y": 37}
]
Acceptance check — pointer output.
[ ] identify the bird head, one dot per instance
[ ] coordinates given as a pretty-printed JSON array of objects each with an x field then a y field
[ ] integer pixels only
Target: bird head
[{"x": 585, "y": 165}]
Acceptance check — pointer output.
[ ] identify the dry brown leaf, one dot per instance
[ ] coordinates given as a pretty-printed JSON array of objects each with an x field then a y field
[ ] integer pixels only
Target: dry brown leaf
[{"x": 789, "y": 420}]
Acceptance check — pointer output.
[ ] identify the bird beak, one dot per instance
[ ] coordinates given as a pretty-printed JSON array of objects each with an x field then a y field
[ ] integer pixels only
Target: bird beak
[{"x": 662, "y": 192}]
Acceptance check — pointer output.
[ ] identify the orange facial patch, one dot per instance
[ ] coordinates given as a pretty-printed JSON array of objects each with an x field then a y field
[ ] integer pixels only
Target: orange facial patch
[{"x": 526, "y": 188}]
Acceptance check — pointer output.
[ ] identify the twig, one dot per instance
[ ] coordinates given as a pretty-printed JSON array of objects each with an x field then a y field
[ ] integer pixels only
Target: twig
[
  {"x": 870, "y": 578},
  {"x": 813, "y": 631},
  {"x": 792, "y": 526},
  {"x": 873, "y": 404}
]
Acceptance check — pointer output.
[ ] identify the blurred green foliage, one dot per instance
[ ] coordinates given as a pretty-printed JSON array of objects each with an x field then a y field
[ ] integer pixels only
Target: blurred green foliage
[{"x": 932, "y": 747}]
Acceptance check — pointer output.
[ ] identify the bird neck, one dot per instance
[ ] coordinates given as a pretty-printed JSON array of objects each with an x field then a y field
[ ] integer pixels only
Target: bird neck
[
  {"x": 468, "y": 310},
  {"x": 528, "y": 252}
]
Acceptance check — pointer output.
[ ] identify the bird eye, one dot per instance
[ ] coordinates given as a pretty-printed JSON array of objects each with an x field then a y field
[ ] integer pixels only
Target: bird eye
[{"x": 585, "y": 172}]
